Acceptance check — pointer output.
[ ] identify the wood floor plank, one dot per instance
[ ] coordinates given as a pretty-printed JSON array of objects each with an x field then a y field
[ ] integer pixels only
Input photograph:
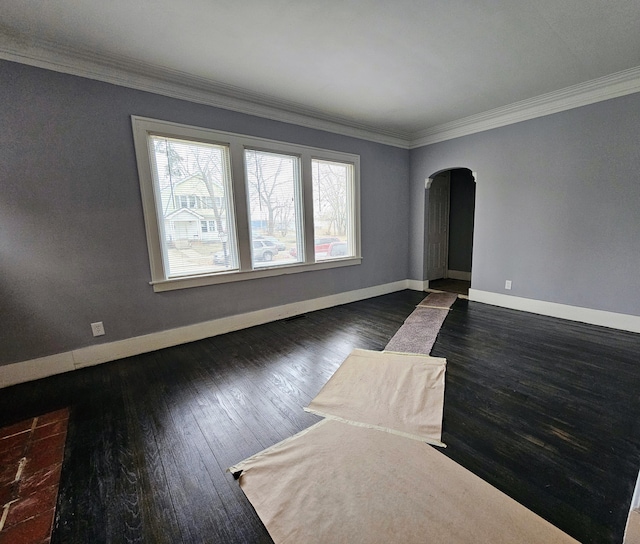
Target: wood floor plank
[{"x": 156, "y": 472}]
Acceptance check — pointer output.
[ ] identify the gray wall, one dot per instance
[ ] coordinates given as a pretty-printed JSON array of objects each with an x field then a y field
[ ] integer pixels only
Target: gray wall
[
  {"x": 557, "y": 212},
  {"x": 72, "y": 241},
  {"x": 462, "y": 205},
  {"x": 557, "y": 205}
]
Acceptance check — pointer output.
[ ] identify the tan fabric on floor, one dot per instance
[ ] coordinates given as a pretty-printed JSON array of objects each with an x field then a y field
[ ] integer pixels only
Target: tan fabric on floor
[
  {"x": 632, "y": 532},
  {"x": 337, "y": 483},
  {"x": 419, "y": 331},
  {"x": 438, "y": 300},
  {"x": 427, "y": 317},
  {"x": 395, "y": 392}
]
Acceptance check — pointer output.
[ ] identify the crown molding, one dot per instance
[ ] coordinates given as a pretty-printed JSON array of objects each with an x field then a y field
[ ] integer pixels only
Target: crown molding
[
  {"x": 582, "y": 94},
  {"x": 126, "y": 72}
]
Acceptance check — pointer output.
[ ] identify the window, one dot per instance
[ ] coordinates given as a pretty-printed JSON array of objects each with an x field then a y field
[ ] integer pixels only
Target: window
[
  {"x": 224, "y": 207},
  {"x": 274, "y": 186},
  {"x": 196, "y": 168},
  {"x": 208, "y": 226},
  {"x": 194, "y": 201},
  {"x": 333, "y": 209}
]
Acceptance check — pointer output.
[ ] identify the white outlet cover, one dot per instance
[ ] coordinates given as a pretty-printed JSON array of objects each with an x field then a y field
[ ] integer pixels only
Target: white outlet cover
[
  {"x": 507, "y": 284},
  {"x": 97, "y": 328}
]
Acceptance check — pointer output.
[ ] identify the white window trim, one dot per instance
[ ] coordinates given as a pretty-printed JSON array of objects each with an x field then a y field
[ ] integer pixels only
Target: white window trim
[{"x": 143, "y": 127}]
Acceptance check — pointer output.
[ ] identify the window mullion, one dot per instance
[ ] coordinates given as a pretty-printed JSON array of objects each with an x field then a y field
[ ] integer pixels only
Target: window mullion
[
  {"x": 307, "y": 204},
  {"x": 238, "y": 180}
]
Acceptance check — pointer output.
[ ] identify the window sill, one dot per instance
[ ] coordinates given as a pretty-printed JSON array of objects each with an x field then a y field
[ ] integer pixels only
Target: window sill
[{"x": 229, "y": 277}]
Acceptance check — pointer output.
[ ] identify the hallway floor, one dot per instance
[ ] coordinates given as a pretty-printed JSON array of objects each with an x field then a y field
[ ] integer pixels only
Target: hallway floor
[{"x": 451, "y": 286}]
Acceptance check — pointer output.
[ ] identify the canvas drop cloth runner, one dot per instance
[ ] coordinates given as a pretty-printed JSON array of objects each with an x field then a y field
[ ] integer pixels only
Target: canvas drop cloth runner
[{"x": 419, "y": 331}]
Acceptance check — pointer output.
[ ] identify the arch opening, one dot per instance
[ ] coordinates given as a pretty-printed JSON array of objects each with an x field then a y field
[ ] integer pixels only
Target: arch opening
[{"x": 449, "y": 220}]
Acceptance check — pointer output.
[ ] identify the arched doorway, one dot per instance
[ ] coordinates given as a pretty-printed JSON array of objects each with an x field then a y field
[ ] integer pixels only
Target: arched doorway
[{"x": 449, "y": 229}]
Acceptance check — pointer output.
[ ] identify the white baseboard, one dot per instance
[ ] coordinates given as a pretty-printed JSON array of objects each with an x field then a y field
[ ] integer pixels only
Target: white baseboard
[
  {"x": 35, "y": 369},
  {"x": 417, "y": 285},
  {"x": 101, "y": 353},
  {"x": 459, "y": 275},
  {"x": 602, "y": 318}
]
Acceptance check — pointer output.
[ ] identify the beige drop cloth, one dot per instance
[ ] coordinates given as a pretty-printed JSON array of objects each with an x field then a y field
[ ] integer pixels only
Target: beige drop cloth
[
  {"x": 438, "y": 300},
  {"x": 336, "y": 483},
  {"x": 419, "y": 331},
  {"x": 632, "y": 531},
  {"x": 394, "y": 392}
]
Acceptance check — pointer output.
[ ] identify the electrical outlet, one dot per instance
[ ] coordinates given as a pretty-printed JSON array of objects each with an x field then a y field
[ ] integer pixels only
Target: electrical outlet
[
  {"x": 97, "y": 328},
  {"x": 507, "y": 284}
]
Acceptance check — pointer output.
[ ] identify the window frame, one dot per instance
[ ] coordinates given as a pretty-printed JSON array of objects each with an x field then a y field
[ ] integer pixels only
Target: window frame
[{"x": 144, "y": 127}]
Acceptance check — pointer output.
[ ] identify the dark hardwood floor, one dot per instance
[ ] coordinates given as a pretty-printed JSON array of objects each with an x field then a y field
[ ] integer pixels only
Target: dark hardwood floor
[{"x": 545, "y": 410}]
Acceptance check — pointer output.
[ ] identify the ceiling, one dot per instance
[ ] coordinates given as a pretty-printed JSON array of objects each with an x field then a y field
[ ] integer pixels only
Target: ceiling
[{"x": 403, "y": 69}]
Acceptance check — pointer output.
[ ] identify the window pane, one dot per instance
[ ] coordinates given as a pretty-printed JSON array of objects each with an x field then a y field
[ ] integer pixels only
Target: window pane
[
  {"x": 273, "y": 184},
  {"x": 196, "y": 221},
  {"x": 332, "y": 209}
]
